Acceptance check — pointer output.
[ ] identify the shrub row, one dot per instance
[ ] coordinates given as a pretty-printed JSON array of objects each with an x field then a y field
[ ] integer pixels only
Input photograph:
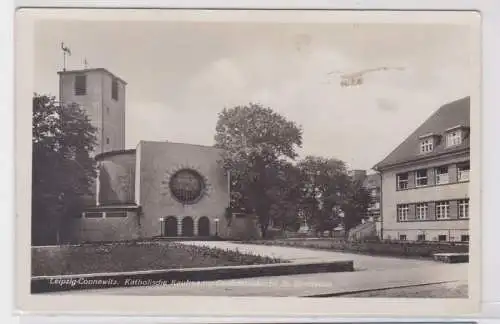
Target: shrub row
[{"x": 385, "y": 248}]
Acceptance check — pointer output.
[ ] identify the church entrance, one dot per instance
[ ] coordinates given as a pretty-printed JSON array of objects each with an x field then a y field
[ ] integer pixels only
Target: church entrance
[
  {"x": 204, "y": 226},
  {"x": 171, "y": 226},
  {"x": 187, "y": 226}
]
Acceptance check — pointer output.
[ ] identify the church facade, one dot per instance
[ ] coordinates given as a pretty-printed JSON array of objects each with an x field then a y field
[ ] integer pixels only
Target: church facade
[{"x": 158, "y": 189}]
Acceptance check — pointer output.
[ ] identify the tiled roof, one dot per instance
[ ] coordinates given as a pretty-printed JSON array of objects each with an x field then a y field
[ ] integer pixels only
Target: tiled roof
[{"x": 456, "y": 113}]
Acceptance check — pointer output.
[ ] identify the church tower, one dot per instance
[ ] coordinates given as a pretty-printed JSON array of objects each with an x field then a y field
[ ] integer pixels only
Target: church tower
[{"x": 102, "y": 95}]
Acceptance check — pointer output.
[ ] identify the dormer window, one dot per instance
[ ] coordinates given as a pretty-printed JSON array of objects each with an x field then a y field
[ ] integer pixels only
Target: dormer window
[
  {"x": 454, "y": 136},
  {"x": 428, "y": 142},
  {"x": 427, "y": 145}
]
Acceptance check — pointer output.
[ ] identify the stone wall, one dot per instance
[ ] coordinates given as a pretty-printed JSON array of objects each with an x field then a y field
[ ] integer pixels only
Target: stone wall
[
  {"x": 117, "y": 178},
  {"x": 106, "y": 229},
  {"x": 158, "y": 162}
]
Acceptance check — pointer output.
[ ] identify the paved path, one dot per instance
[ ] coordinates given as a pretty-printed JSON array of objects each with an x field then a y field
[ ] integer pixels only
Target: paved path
[
  {"x": 361, "y": 262},
  {"x": 371, "y": 273}
]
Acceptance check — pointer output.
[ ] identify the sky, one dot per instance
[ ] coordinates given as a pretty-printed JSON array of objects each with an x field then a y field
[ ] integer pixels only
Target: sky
[{"x": 180, "y": 75}]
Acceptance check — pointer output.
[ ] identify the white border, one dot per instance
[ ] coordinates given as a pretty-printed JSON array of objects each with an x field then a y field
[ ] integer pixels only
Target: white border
[
  {"x": 491, "y": 114},
  {"x": 210, "y": 306}
]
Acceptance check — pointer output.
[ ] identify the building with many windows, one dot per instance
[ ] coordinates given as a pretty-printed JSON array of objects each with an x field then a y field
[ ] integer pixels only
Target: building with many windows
[
  {"x": 372, "y": 186},
  {"x": 425, "y": 180}
]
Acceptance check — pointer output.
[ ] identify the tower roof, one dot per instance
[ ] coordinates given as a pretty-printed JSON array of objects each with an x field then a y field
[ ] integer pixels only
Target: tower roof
[
  {"x": 447, "y": 117},
  {"x": 92, "y": 70}
]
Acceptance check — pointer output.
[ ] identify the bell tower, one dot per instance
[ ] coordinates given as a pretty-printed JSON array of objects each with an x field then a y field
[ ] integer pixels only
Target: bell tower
[{"x": 102, "y": 95}]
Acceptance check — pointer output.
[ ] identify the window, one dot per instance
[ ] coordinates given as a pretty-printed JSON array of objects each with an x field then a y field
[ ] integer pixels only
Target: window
[
  {"x": 114, "y": 89},
  {"x": 454, "y": 138},
  {"x": 94, "y": 214},
  {"x": 187, "y": 186},
  {"x": 421, "y": 178},
  {"x": 426, "y": 145},
  {"x": 116, "y": 214},
  {"x": 80, "y": 85},
  {"x": 107, "y": 110},
  {"x": 463, "y": 170},
  {"x": 107, "y": 140},
  {"x": 442, "y": 175},
  {"x": 421, "y": 211},
  {"x": 402, "y": 181},
  {"x": 402, "y": 237},
  {"x": 443, "y": 210},
  {"x": 421, "y": 237},
  {"x": 403, "y": 211},
  {"x": 442, "y": 238},
  {"x": 463, "y": 208},
  {"x": 464, "y": 238}
]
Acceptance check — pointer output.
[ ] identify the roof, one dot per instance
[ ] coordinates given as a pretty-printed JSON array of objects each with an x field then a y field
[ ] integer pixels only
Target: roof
[
  {"x": 448, "y": 116},
  {"x": 210, "y": 147},
  {"x": 114, "y": 153},
  {"x": 92, "y": 70}
]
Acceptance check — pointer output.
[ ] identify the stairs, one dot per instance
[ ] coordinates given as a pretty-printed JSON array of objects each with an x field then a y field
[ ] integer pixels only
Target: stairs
[{"x": 368, "y": 229}]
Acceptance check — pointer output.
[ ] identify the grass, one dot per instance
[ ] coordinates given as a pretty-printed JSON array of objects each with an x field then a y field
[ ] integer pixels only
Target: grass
[{"x": 102, "y": 258}]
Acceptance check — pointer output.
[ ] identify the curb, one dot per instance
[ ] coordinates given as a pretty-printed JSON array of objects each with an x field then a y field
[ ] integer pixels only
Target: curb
[
  {"x": 452, "y": 257},
  {"x": 43, "y": 284},
  {"x": 352, "y": 292}
]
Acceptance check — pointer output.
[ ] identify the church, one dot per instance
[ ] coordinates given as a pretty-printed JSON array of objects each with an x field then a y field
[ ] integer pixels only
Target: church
[{"x": 158, "y": 189}]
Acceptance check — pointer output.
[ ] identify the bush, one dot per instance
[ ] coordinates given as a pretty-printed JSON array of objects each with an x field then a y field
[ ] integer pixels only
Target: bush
[{"x": 382, "y": 248}]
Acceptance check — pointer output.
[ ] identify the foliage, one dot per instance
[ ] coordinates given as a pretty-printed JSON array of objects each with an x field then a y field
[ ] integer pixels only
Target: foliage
[
  {"x": 355, "y": 203},
  {"x": 63, "y": 169},
  {"x": 324, "y": 191},
  {"x": 425, "y": 249},
  {"x": 259, "y": 145}
]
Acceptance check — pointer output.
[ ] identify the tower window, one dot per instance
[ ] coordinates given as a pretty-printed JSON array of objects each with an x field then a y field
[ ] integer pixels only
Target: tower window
[
  {"x": 107, "y": 140},
  {"x": 80, "y": 85},
  {"x": 114, "y": 89}
]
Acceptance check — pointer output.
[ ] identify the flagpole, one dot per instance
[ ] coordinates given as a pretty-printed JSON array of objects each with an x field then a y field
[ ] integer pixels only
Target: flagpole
[
  {"x": 67, "y": 51},
  {"x": 64, "y": 60}
]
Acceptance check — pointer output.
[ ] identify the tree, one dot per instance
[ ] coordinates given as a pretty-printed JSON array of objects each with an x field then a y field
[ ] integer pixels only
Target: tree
[
  {"x": 326, "y": 183},
  {"x": 63, "y": 169},
  {"x": 259, "y": 145},
  {"x": 354, "y": 205}
]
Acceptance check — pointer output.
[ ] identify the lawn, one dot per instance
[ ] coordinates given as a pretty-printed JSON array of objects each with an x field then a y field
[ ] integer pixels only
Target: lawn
[{"x": 61, "y": 260}]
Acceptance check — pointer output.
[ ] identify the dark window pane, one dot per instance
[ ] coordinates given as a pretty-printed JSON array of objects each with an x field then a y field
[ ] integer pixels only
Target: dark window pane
[
  {"x": 116, "y": 214},
  {"x": 80, "y": 85},
  {"x": 114, "y": 89}
]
